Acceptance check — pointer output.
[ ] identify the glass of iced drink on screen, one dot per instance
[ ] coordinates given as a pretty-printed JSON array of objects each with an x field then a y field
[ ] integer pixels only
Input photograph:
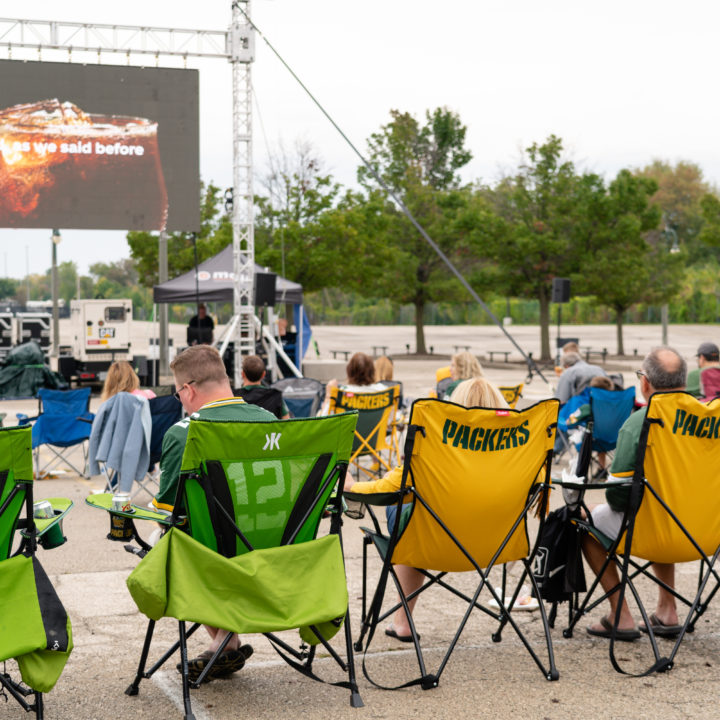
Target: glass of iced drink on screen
[{"x": 59, "y": 162}]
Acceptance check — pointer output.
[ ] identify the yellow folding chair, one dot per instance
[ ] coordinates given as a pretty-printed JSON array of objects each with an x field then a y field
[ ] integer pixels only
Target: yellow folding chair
[
  {"x": 511, "y": 393},
  {"x": 376, "y": 432},
  {"x": 470, "y": 477},
  {"x": 673, "y": 514}
]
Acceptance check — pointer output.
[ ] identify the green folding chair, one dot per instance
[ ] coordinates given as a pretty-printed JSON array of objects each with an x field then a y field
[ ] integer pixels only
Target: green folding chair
[
  {"x": 35, "y": 630},
  {"x": 242, "y": 551}
]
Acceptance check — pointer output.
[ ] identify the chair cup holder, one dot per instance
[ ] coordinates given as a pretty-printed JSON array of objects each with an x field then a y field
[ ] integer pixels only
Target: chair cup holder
[
  {"x": 121, "y": 528},
  {"x": 54, "y": 536}
]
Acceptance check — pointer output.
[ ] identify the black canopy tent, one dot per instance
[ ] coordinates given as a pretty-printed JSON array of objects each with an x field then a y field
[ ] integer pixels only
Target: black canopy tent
[{"x": 215, "y": 282}]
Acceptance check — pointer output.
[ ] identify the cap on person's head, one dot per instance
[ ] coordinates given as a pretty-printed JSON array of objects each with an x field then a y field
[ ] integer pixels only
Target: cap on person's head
[{"x": 709, "y": 351}]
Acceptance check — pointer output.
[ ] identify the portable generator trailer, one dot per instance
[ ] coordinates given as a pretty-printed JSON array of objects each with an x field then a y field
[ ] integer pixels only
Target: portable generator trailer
[{"x": 100, "y": 332}]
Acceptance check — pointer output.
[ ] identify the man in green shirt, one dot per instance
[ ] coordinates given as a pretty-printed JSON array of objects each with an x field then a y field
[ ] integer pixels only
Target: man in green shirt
[
  {"x": 662, "y": 370},
  {"x": 203, "y": 388}
]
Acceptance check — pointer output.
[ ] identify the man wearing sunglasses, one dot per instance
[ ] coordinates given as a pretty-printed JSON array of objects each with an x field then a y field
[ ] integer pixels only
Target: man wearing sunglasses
[{"x": 203, "y": 388}]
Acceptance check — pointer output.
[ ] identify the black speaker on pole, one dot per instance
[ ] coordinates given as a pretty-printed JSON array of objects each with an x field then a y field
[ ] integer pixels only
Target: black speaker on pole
[
  {"x": 265, "y": 289},
  {"x": 561, "y": 290}
]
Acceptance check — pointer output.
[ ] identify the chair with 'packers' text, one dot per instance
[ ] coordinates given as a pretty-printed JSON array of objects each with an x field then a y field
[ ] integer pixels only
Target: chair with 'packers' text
[
  {"x": 673, "y": 513},
  {"x": 242, "y": 551},
  {"x": 470, "y": 478},
  {"x": 36, "y": 630},
  {"x": 376, "y": 432}
]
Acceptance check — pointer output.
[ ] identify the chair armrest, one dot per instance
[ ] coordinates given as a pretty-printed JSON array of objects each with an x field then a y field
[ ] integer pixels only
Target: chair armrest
[
  {"x": 576, "y": 485},
  {"x": 23, "y": 419},
  {"x": 103, "y": 501},
  {"x": 390, "y": 498}
]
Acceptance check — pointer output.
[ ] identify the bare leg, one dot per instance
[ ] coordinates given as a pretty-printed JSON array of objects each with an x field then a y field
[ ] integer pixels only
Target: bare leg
[
  {"x": 410, "y": 580},
  {"x": 666, "y": 610},
  {"x": 595, "y": 555},
  {"x": 218, "y": 636}
]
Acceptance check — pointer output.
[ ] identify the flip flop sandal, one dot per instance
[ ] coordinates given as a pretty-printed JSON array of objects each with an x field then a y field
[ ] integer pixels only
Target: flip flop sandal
[
  {"x": 660, "y": 629},
  {"x": 607, "y": 629}
]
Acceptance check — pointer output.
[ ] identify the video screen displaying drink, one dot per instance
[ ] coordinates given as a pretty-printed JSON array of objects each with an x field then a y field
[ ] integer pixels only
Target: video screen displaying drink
[{"x": 98, "y": 147}]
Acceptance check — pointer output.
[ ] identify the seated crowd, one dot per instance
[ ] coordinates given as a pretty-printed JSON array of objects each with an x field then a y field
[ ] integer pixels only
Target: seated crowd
[{"x": 203, "y": 388}]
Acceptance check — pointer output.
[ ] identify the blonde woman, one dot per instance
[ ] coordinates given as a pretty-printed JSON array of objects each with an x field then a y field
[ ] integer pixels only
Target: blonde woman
[
  {"x": 476, "y": 392},
  {"x": 122, "y": 378},
  {"x": 463, "y": 366},
  {"x": 383, "y": 368}
]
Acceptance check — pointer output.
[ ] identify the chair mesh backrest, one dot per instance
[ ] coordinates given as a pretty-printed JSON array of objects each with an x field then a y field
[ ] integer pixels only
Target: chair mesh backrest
[
  {"x": 303, "y": 396},
  {"x": 165, "y": 411},
  {"x": 710, "y": 381},
  {"x": 610, "y": 409},
  {"x": 375, "y": 413},
  {"x": 682, "y": 463},
  {"x": 64, "y": 402},
  {"x": 474, "y": 467},
  {"x": 15, "y": 471},
  {"x": 265, "y": 475}
]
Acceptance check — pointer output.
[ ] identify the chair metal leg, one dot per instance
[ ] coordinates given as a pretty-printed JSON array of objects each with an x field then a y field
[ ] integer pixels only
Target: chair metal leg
[
  {"x": 184, "y": 667},
  {"x": 133, "y": 688},
  {"x": 39, "y": 709},
  {"x": 355, "y": 699}
]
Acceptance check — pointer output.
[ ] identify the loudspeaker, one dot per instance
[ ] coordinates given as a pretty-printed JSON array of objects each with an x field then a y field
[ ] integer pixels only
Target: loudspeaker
[
  {"x": 265, "y": 289},
  {"x": 561, "y": 290}
]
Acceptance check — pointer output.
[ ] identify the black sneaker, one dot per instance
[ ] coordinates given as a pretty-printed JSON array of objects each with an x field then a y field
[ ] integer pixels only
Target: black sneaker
[{"x": 230, "y": 662}]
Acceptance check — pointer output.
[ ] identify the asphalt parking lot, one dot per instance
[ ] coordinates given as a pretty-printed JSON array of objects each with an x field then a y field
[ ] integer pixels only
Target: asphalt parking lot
[{"x": 482, "y": 680}]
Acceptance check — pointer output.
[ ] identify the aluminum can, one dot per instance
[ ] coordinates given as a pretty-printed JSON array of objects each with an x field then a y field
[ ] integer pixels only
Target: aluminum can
[
  {"x": 121, "y": 502},
  {"x": 43, "y": 510}
]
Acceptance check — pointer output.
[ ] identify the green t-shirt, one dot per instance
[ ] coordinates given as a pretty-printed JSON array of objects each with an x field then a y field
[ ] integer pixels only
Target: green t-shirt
[
  {"x": 623, "y": 464},
  {"x": 693, "y": 383},
  {"x": 174, "y": 441}
]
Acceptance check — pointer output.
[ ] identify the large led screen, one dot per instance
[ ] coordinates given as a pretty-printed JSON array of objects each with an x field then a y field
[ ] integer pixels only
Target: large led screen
[{"x": 98, "y": 146}]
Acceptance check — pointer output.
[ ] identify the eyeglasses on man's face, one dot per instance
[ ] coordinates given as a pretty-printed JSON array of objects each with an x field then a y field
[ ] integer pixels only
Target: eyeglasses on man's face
[
  {"x": 180, "y": 389},
  {"x": 640, "y": 374}
]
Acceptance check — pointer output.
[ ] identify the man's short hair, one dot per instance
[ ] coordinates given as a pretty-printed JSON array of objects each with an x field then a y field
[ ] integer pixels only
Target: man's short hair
[
  {"x": 571, "y": 346},
  {"x": 570, "y": 358},
  {"x": 665, "y": 369},
  {"x": 253, "y": 367},
  {"x": 199, "y": 363},
  {"x": 709, "y": 351}
]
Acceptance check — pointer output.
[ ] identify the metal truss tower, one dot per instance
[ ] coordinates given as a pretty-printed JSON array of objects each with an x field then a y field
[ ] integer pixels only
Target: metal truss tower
[{"x": 237, "y": 45}]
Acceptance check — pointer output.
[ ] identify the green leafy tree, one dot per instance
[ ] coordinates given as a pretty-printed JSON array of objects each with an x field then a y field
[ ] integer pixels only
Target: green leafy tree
[
  {"x": 680, "y": 190},
  {"x": 534, "y": 236},
  {"x": 307, "y": 228},
  {"x": 420, "y": 163},
  {"x": 629, "y": 263},
  {"x": 8, "y": 287}
]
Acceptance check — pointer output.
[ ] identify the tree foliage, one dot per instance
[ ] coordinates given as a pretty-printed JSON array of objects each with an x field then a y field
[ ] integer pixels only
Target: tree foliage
[{"x": 420, "y": 163}]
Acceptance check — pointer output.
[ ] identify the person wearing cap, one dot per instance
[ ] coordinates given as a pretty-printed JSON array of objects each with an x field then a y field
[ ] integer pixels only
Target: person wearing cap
[{"x": 708, "y": 356}]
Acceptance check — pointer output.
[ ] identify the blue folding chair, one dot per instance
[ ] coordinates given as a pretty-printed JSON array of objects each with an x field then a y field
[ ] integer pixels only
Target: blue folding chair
[
  {"x": 62, "y": 425},
  {"x": 609, "y": 409}
]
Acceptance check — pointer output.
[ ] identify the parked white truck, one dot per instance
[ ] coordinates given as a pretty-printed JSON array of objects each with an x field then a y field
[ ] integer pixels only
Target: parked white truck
[{"x": 100, "y": 335}]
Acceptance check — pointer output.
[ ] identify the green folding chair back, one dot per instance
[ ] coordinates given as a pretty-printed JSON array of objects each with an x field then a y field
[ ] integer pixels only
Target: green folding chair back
[
  {"x": 16, "y": 476},
  {"x": 34, "y": 628},
  {"x": 247, "y": 559},
  {"x": 264, "y": 476}
]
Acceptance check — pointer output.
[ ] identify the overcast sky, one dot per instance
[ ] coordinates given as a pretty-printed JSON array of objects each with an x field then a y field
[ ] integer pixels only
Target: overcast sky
[{"x": 621, "y": 82}]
